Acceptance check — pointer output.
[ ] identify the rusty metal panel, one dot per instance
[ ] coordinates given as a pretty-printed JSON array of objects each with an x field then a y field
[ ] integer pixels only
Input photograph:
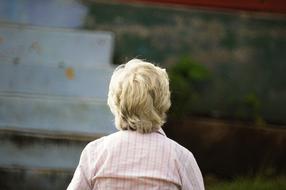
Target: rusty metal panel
[
  {"x": 55, "y": 47},
  {"x": 276, "y": 6},
  {"x": 55, "y": 79}
]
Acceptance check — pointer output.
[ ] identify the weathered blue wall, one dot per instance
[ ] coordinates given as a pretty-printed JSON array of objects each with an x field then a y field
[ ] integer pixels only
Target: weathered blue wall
[{"x": 53, "y": 92}]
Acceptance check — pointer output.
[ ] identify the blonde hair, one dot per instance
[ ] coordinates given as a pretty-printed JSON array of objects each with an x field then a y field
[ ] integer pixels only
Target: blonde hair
[{"x": 139, "y": 96}]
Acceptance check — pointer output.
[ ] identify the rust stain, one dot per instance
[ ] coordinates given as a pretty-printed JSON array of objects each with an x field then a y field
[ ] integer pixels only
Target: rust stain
[
  {"x": 70, "y": 73},
  {"x": 36, "y": 46}
]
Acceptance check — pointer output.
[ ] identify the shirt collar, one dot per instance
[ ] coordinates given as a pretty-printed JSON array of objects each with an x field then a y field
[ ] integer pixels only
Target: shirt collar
[{"x": 160, "y": 131}]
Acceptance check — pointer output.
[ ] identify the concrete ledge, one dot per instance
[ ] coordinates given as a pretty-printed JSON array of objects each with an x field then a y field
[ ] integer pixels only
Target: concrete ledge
[
  {"x": 47, "y": 134},
  {"x": 41, "y": 149}
]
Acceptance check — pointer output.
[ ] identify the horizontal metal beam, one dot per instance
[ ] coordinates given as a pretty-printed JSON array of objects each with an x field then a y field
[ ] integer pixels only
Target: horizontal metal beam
[{"x": 276, "y": 6}]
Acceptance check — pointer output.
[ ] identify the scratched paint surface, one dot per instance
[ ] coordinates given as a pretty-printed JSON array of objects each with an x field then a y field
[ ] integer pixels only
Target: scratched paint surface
[{"x": 55, "y": 79}]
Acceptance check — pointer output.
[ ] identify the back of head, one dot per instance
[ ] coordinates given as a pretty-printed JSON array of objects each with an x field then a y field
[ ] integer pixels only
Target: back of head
[{"x": 139, "y": 96}]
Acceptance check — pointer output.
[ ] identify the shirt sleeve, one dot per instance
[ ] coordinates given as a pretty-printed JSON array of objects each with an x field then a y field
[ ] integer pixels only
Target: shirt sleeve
[
  {"x": 82, "y": 176},
  {"x": 191, "y": 176}
]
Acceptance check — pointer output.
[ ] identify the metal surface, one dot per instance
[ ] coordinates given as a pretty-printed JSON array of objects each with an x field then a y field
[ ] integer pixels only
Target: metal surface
[
  {"x": 34, "y": 152},
  {"x": 55, "y": 79}
]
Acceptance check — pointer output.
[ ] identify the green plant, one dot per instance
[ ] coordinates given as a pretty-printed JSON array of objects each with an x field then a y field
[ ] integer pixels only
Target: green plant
[
  {"x": 188, "y": 80},
  {"x": 248, "y": 183},
  {"x": 250, "y": 108}
]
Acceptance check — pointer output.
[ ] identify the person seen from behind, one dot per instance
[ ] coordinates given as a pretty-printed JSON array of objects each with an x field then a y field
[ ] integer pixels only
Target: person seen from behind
[{"x": 139, "y": 156}]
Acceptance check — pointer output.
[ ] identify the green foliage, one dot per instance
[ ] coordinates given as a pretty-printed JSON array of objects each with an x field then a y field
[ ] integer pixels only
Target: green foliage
[
  {"x": 258, "y": 183},
  {"x": 191, "y": 83},
  {"x": 249, "y": 108},
  {"x": 188, "y": 80},
  {"x": 246, "y": 55}
]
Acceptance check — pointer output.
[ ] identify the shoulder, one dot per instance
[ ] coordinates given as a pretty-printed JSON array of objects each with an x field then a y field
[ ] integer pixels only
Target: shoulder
[
  {"x": 180, "y": 152},
  {"x": 100, "y": 142},
  {"x": 95, "y": 143}
]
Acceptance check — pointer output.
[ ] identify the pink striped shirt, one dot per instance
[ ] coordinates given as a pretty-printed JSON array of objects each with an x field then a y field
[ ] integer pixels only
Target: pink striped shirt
[{"x": 128, "y": 160}]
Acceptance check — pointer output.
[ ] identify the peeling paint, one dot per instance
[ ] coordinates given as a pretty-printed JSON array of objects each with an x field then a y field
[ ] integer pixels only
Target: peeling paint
[
  {"x": 36, "y": 47},
  {"x": 61, "y": 65}
]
